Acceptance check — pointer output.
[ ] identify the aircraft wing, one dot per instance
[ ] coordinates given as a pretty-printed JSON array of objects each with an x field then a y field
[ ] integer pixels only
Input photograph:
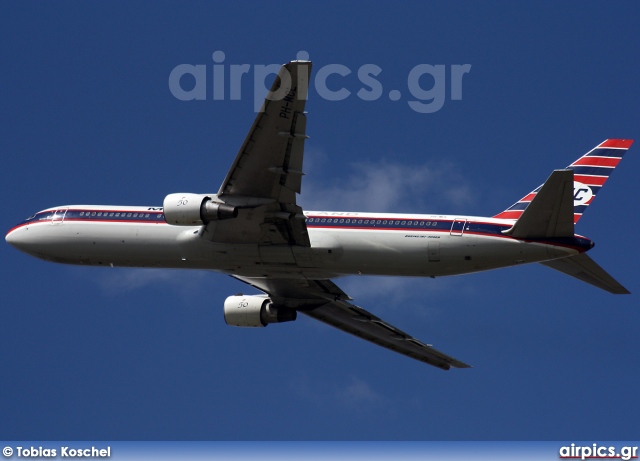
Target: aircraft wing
[
  {"x": 325, "y": 301},
  {"x": 267, "y": 172},
  {"x": 263, "y": 182}
]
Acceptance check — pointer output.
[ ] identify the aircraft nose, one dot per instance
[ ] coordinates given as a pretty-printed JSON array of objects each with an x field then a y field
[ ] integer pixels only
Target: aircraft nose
[
  {"x": 31, "y": 240},
  {"x": 11, "y": 238},
  {"x": 19, "y": 238}
]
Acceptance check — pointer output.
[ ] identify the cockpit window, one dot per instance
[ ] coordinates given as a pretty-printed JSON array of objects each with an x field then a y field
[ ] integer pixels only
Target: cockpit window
[{"x": 44, "y": 216}]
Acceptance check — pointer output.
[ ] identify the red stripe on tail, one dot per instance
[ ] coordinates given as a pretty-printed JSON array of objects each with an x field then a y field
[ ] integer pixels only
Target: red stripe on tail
[{"x": 619, "y": 143}]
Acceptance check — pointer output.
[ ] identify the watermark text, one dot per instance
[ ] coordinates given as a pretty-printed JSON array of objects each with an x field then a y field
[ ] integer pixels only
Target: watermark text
[{"x": 428, "y": 84}]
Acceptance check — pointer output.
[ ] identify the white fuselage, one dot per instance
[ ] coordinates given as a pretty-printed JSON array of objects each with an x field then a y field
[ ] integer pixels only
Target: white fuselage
[{"x": 341, "y": 244}]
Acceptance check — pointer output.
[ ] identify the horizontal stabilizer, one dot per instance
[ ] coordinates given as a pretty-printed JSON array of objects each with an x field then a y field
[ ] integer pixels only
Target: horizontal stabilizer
[
  {"x": 550, "y": 213},
  {"x": 586, "y": 269}
]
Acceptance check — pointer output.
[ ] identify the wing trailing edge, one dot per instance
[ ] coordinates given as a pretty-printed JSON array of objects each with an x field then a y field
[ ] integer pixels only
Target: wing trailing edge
[{"x": 323, "y": 300}]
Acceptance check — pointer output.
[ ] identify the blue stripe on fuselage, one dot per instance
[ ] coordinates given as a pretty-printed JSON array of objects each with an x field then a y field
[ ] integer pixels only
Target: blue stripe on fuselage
[
  {"x": 81, "y": 215},
  {"x": 418, "y": 225},
  {"x": 435, "y": 225},
  {"x": 321, "y": 222}
]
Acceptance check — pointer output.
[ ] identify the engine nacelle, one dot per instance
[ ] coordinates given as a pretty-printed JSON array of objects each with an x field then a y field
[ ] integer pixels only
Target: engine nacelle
[
  {"x": 255, "y": 311},
  {"x": 195, "y": 209}
]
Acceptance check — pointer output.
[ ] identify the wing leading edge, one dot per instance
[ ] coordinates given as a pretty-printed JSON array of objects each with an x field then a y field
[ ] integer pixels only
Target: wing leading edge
[
  {"x": 269, "y": 163},
  {"x": 267, "y": 172},
  {"x": 324, "y": 301}
]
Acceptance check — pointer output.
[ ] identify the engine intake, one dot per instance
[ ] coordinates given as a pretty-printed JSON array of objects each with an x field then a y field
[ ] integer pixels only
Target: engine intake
[
  {"x": 195, "y": 209},
  {"x": 255, "y": 311}
]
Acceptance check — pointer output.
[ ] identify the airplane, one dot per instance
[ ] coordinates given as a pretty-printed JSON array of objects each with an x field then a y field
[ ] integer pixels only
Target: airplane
[{"x": 253, "y": 230}]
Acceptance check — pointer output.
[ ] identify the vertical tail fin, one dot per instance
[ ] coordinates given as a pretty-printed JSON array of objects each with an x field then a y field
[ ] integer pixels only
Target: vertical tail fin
[{"x": 591, "y": 171}]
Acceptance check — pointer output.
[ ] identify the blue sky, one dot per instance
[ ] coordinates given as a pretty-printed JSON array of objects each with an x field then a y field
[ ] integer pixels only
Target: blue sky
[{"x": 88, "y": 118}]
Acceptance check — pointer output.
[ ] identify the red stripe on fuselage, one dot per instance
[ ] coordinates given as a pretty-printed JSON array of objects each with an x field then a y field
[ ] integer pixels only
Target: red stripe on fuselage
[{"x": 90, "y": 221}]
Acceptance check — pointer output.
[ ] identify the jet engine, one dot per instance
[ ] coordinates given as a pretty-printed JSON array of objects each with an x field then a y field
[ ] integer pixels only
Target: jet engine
[
  {"x": 195, "y": 209},
  {"x": 255, "y": 311}
]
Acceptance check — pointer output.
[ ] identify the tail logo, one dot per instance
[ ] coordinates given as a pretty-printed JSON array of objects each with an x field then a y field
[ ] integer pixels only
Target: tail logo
[
  {"x": 590, "y": 172},
  {"x": 582, "y": 194}
]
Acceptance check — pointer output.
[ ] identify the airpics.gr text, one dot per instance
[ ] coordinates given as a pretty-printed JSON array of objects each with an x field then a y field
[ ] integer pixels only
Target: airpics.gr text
[{"x": 427, "y": 83}]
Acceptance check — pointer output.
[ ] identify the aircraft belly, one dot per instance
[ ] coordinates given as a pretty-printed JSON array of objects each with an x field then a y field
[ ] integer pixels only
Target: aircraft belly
[
  {"x": 374, "y": 253},
  {"x": 496, "y": 252},
  {"x": 427, "y": 254},
  {"x": 128, "y": 245},
  {"x": 105, "y": 244},
  {"x": 332, "y": 253}
]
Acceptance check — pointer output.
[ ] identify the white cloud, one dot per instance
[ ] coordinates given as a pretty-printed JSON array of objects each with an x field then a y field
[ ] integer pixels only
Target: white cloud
[
  {"x": 124, "y": 280},
  {"x": 357, "y": 391},
  {"x": 385, "y": 186},
  {"x": 350, "y": 392},
  {"x": 394, "y": 289}
]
